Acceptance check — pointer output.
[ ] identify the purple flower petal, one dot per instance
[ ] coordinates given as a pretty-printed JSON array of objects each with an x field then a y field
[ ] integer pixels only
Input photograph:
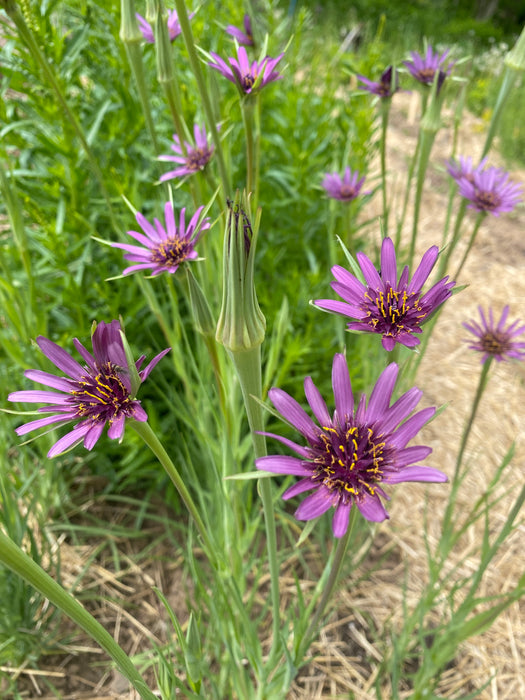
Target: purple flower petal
[
  {"x": 282, "y": 465},
  {"x": 292, "y": 411},
  {"x": 315, "y": 505},
  {"x": 340, "y": 519}
]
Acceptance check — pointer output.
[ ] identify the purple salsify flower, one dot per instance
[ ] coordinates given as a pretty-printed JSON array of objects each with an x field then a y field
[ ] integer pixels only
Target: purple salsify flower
[
  {"x": 164, "y": 249},
  {"x": 394, "y": 308},
  {"x": 92, "y": 395},
  {"x": 196, "y": 158},
  {"x": 249, "y": 77},
  {"x": 424, "y": 68},
  {"x": 494, "y": 340},
  {"x": 489, "y": 190},
  {"x": 464, "y": 168},
  {"x": 173, "y": 26},
  {"x": 245, "y": 37},
  {"x": 345, "y": 188},
  {"x": 350, "y": 456},
  {"x": 386, "y": 86}
]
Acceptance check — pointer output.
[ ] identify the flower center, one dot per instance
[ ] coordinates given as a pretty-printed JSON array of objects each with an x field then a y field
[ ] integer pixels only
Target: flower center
[
  {"x": 248, "y": 81},
  {"x": 170, "y": 252},
  {"x": 350, "y": 461},
  {"x": 494, "y": 344},
  {"x": 487, "y": 200},
  {"x": 426, "y": 75},
  {"x": 393, "y": 312},
  {"x": 102, "y": 396},
  {"x": 198, "y": 158},
  {"x": 347, "y": 192}
]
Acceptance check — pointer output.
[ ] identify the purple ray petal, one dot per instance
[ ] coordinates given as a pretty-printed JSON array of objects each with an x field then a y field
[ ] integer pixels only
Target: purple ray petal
[{"x": 281, "y": 464}]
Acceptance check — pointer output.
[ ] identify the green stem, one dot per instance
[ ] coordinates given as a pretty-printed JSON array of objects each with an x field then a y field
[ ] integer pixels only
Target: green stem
[
  {"x": 21, "y": 564},
  {"x": 134, "y": 54},
  {"x": 473, "y": 235},
  {"x": 248, "y": 366},
  {"x": 146, "y": 433},
  {"x": 445, "y": 258},
  {"x": 40, "y": 59},
  {"x": 335, "y": 571},
  {"x": 410, "y": 176},
  {"x": 385, "y": 112},
  {"x": 187, "y": 35},
  {"x": 475, "y": 405},
  {"x": 446, "y": 530},
  {"x": 170, "y": 88},
  {"x": 427, "y": 140},
  {"x": 247, "y": 108},
  {"x": 131, "y": 38},
  {"x": 509, "y": 78}
]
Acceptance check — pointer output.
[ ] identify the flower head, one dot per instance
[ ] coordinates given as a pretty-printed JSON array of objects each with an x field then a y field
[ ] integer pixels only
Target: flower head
[
  {"x": 386, "y": 86},
  {"x": 496, "y": 341},
  {"x": 243, "y": 37},
  {"x": 349, "y": 456},
  {"x": 196, "y": 158},
  {"x": 489, "y": 190},
  {"x": 394, "y": 308},
  {"x": 164, "y": 249},
  {"x": 464, "y": 168},
  {"x": 249, "y": 77},
  {"x": 424, "y": 68},
  {"x": 173, "y": 26},
  {"x": 345, "y": 188},
  {"x": 92, "y": 395}
]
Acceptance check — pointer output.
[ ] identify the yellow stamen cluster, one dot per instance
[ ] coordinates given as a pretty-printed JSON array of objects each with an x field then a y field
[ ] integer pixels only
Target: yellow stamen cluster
[{"x": 346, "y": 464}]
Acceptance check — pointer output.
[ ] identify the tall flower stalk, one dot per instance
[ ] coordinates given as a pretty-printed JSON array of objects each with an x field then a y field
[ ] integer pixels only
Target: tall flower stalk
[
  {"x": 131, "y": 37},
  {"x": 148, "y": 436},
  {"x": 241, "y": 329},
  {"x": 430, "y": 124},
  {"x": 166, "y": 75},
  {"x": 187, "y": 35},
  {"x": 479, "y": 220}
]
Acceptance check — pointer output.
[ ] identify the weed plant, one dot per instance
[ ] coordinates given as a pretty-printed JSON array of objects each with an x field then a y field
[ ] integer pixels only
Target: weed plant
[{"x": 210, "y": 275}]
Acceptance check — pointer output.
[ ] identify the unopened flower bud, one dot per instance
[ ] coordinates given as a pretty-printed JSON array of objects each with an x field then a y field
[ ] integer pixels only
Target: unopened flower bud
[
  {"x": 515, "y": 58},
  {"x": 241, "y": 323}
]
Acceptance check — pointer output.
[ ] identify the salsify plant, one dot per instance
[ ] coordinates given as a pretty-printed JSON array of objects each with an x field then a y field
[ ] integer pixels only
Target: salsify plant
[{"x": 221, "y": 271}]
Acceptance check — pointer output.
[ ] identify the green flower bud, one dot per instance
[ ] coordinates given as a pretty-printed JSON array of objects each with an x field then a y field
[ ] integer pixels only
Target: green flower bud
[
  {"x": 129, "y": 27},
  {"x": 515, "y": 58},
  {"x": 241, "y": 323},
  {"x": 200, "y": 308}
]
